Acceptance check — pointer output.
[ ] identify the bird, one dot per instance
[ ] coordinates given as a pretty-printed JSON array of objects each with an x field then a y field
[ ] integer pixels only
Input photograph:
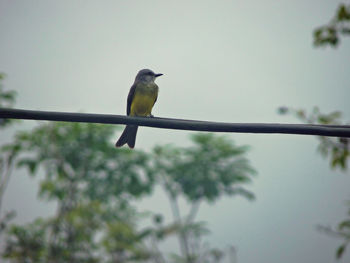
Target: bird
[{"x": 142, "y": 96}]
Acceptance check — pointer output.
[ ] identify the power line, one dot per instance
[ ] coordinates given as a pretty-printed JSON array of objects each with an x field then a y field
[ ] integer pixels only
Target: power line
[{"x": 179, "y": 124}]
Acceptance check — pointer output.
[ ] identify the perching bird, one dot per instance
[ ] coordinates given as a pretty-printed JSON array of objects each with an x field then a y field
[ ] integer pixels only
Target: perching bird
[{"x": 142, "y": 96}]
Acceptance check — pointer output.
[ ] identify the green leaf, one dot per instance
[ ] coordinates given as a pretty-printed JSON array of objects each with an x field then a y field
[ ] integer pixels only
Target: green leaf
[
  {"x": 340, "y": 251},
  {"x": 30, "y": 164},
  {"x": 343, "y": 14}
]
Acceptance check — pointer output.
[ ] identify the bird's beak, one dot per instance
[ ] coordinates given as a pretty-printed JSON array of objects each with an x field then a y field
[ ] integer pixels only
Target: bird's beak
[{"x": 158, "y": 75}]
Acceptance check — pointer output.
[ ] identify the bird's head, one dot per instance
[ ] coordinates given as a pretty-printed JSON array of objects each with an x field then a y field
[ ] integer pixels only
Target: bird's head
[{"x": 147, "y": 75}]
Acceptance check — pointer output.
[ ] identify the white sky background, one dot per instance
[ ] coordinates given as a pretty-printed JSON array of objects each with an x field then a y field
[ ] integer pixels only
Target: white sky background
[{"x": 232, "y": 61}]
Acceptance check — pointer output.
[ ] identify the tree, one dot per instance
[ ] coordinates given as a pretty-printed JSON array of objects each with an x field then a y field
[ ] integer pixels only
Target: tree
[
  {"x": 337, "y": 150},
  {"x": 91, "y": 183},
  {"x": 211, "y": 168},
  {"x": 7, "y": 99},
  {"x": 95, "y": 185}
]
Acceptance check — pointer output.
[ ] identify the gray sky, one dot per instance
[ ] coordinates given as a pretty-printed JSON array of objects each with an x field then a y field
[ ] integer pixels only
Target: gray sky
[{"x": 232, "y": 61}]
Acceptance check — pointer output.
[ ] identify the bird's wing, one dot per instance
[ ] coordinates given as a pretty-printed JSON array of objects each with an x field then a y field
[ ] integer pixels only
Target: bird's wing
[
  {"x": 156, "y": 96},
  {"x": 155, "y": 100},
  {"x": 130, "y": 98}
]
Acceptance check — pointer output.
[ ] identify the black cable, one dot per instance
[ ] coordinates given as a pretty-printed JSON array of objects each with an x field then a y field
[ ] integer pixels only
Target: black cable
[{"x": 179, "y": 124}]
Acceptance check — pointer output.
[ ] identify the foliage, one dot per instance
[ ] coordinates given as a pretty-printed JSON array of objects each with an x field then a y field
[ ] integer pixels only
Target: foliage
[
  {"x": 91, "y": 182},
  {"x": 7, "y": 99},
  {"x": 338, "y": 150},
  {"x": 211, "y": 168},
  {"x": 94, "y": 186},
  {"x": 339, "y": 26},
  {"x": 341, "y": 231},
  {"x": 26, "y": 243}
]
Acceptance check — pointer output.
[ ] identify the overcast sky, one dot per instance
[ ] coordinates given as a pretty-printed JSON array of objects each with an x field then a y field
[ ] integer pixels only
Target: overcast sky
[{"x": 232, "y": 61}]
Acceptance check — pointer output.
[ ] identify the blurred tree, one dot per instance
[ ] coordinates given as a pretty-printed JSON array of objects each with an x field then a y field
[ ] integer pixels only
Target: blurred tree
[
  {"x": 212, "y": 168},
  {"x": 339, "y": 26},
  {"x": 91, "y": 183},
  {"x": 94, "y": 184},
  {"x": 338, "y": 152},
  {"x": 337, "y": 149},
  {"x": 7, "y": 100}
]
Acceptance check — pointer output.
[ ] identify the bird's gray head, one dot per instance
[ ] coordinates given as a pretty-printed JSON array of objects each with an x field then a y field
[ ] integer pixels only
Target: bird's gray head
[{"x": 146, "y": 75}]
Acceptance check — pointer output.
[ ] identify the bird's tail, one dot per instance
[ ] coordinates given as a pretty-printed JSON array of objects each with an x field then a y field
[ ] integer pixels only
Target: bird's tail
[{"x": 128, "y": 136}]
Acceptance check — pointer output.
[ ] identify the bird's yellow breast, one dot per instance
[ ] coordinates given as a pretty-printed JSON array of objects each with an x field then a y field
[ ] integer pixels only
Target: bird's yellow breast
[{"x": 143, "y": 100}]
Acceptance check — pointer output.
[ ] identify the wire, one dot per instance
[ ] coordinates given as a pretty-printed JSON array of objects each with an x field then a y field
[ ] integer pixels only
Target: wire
[{"x": 179, "y": 124}]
